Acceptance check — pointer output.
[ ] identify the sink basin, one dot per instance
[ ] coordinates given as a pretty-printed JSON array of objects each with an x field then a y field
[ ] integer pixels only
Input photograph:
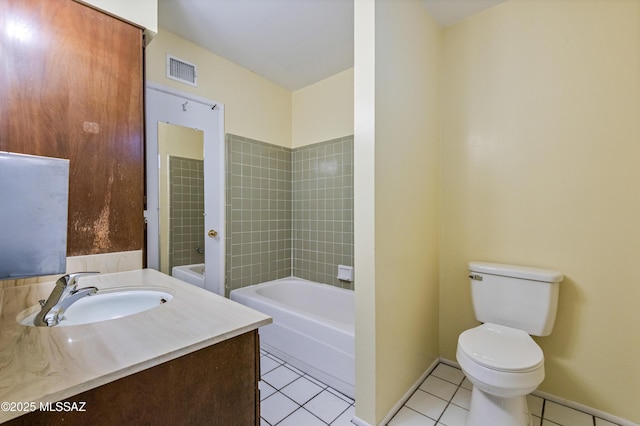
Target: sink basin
[{"x": 106, "y": 306}]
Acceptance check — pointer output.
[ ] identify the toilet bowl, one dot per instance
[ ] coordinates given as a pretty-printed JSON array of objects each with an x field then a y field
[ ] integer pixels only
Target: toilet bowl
[
  {"x": 499, "y": 357},
  {"x": 504, "y": 365}
]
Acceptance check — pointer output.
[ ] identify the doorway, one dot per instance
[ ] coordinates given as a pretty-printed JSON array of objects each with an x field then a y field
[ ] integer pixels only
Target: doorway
[{"x": 185, "y": 113}]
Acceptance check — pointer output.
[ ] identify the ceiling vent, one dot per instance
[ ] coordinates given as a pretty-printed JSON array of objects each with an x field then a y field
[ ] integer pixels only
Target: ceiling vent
[{"x": 182, "y": 71}]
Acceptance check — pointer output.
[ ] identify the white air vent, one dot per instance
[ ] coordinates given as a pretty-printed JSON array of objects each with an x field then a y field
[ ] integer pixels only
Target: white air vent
[{"x": 180, "y": 70}]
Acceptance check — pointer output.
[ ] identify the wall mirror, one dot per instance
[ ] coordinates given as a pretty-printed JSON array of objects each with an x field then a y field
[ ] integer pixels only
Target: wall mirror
[
  {"x": 181, "y": 196},
  {"x": 185, "y": 183}
]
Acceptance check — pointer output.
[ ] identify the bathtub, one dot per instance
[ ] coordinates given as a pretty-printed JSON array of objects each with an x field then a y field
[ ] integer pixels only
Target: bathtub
[
  {"x": 193, "y": 274},
  {"x": 312, "y": 329}
]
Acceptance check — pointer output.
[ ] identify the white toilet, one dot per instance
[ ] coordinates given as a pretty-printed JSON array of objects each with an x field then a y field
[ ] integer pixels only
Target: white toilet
[{"x": 499, "y": 357}]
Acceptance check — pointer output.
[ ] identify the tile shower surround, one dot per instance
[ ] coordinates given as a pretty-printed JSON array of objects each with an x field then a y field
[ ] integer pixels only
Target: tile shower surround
[
  {"x": 323, "y": 210},
  {"x": 289, "y": 211},
  {"x": 186, "y": 205},
  {"x": 258, "y": 212}
]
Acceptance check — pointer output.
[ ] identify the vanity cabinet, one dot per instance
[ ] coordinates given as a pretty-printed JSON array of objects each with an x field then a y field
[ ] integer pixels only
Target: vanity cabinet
[
  {"x": 71, "y": 86},
  {"x": 217, "y": 385}
]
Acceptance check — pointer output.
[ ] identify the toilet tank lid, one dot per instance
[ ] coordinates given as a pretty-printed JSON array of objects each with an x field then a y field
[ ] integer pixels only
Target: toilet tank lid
[{"x": 514, "y": 271}]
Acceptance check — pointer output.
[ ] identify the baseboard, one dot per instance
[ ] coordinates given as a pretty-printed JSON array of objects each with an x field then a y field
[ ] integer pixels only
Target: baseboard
[
  {"x": 585, "y": 409},
  {"x": 450, "y": 363},
  {"x": 359, "y": 422},
  {"x": 408, "y": 394}
]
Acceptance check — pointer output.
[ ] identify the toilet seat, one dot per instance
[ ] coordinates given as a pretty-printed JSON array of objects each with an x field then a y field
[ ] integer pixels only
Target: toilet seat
[{"x": 501, "y": 348}]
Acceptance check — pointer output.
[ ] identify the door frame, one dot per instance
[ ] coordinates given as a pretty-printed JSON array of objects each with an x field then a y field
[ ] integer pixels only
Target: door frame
[{"x": 173, "y": 106}]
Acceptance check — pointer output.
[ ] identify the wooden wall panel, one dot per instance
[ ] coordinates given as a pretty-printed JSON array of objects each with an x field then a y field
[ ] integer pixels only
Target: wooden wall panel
[{"x": 71, "y": 87}]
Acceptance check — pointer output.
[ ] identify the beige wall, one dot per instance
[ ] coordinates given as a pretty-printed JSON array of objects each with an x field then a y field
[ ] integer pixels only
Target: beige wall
[
  {"x": 395, "y": 201},
  {"x": 364, "y": 209},
  {"x": 538, "y": 166},
  {"x": 323, "y": 111},
  {"x": 254, "y": 107},
  {"x": 541, "y": 166}
]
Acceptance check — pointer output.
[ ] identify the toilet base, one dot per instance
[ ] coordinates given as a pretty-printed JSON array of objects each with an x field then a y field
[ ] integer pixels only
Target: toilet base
[{"x": 488, "y": 409}]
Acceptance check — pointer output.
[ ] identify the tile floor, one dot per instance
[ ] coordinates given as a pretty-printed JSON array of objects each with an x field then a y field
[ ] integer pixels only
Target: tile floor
[
  {"x": 444, "y": 396},
  {"x": 290, "y": 397}
]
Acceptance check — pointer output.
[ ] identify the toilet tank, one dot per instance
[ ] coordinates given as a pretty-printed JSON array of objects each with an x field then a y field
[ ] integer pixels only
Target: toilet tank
[{"x": 515, "y": 296}]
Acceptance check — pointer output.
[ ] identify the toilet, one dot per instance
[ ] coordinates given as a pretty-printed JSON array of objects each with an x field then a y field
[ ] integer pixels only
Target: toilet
[{"x": 499, "y": 357}]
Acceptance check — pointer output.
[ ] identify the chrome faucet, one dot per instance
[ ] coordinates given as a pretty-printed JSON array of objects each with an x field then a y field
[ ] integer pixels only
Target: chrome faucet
[{"x": 64, "y": 294}]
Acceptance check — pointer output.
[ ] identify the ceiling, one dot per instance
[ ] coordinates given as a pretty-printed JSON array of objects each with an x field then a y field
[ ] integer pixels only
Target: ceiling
[{"x": 292, "y": 43}]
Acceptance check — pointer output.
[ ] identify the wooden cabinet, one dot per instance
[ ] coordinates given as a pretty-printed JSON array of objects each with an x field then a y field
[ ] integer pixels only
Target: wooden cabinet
[
  {"x": 217, "y": 385},
  {"x": 71, "y": 86}
]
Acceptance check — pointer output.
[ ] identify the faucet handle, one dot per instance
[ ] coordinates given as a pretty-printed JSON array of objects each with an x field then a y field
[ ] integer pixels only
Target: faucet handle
[
  {"x": 72, "y": 279},
  {"x": 76, "y": 275},
  {"x": 69, "y": 283},
  {"x": 65, "y": 286}
]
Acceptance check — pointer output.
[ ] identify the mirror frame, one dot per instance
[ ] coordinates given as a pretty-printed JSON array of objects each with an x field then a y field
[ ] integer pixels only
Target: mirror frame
[{"x": 184, "y": 109}]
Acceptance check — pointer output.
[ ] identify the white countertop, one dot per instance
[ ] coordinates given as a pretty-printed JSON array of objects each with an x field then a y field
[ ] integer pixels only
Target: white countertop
[{"x": 48, "y": 364}]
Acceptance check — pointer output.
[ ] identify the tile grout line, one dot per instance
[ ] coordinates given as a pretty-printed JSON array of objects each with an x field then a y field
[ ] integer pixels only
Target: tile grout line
[
  {"x": 298, "y": 409},
  {"x": 450, "y": 401},
  {"x": 341, "y": 413},
  {"x": 301, "y": 406},
  {"x": 323, "y": 387},
  {"x": 409, "y": 408},
  {"x": 285, "y": 395}
]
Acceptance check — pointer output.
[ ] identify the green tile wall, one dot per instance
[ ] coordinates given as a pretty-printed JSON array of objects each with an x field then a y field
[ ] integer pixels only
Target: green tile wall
[
  {"x": 258, "y": 212},
  {"x": 186, "y": 208},
  {"x": 288, "y": 212},
  {"x": 323, "y": 210}
]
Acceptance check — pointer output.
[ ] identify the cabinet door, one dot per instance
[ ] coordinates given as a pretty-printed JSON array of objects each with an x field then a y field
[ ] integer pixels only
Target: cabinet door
[
  {"x": 71, "y": 87},
  {"x": 217, "y": 385}
]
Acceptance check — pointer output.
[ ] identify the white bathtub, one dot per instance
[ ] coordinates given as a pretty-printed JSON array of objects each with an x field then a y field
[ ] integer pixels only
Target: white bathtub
[
  {"x": 312, "y": 329},
  {"x": 193, "y": 274}
]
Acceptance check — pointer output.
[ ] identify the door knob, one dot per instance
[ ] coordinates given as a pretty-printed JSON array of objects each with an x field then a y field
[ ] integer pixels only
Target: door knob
[{"x": 212, "y": 233}]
